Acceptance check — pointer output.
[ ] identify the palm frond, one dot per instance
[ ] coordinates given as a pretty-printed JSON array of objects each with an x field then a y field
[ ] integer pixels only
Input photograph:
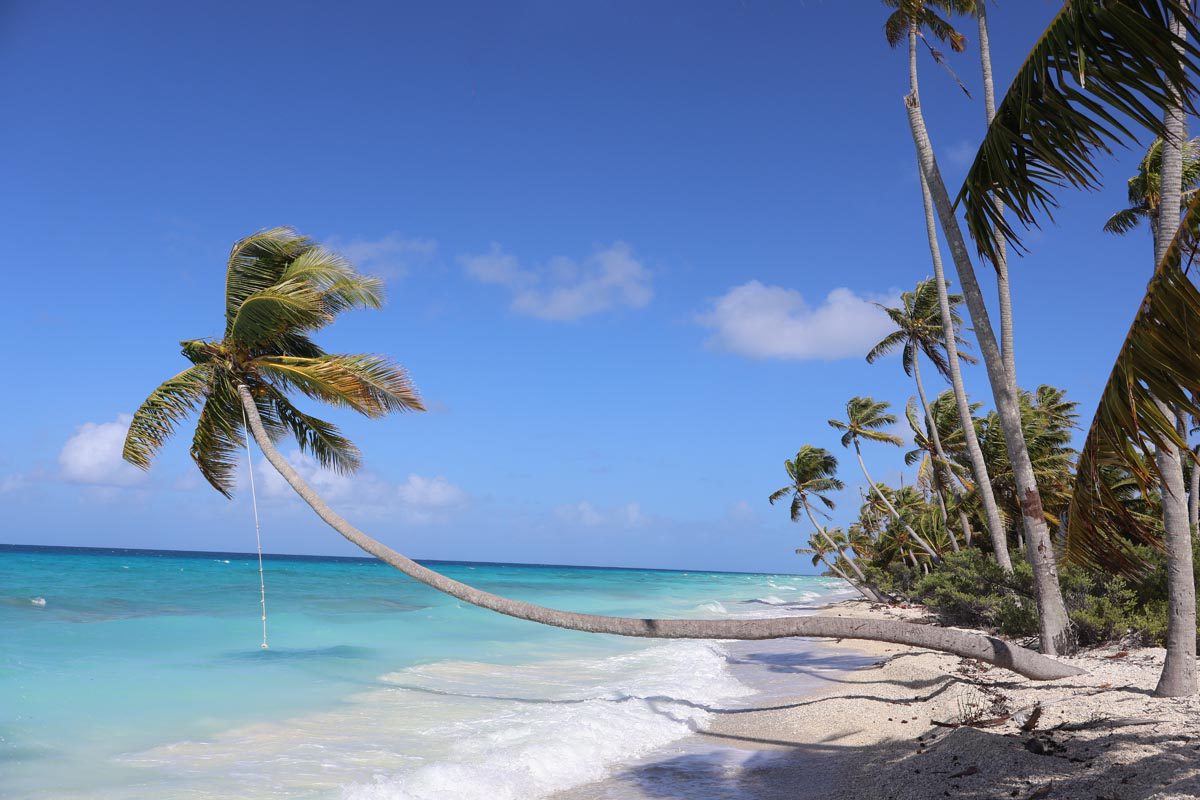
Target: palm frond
[
  {"x": 888, "y": 344},
  {"x": 316, "y": 437},
  {"x": 291, "y": 305},
  {"x": 258, "y": 262},
  {"x": 1125, "y": 220},
  {"x": 1099, "y": 61},
  {"x": 161, "y": 412},
  {"x": 216, "y": 441},
  {"x": 779, "y": 494},
  {"x": 371, "y": 385},
  {"x": 1159, "y": 362},
  {"x": 334, "y": 278}
]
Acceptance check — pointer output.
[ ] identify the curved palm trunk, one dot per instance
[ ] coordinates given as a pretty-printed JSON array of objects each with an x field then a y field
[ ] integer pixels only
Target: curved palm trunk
[
  {"x": 863, "y": 585},
  {"x": 1178, "y": 677},
  {"x": 983, "y": 480},
  {"x": 1053, "y": 623},
  {"x": 1002, "y": 287},
  {"x": 832, "y": 544},
  {"x": 962, "y": 643},
  {"x": 916, "y": 537},
  {"x": 832, "y": 568},
  {"x": 939, "y": 454}
]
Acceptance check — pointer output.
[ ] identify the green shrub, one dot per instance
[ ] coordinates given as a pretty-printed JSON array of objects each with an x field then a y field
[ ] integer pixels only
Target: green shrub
[{"x": 970, "y": 590}]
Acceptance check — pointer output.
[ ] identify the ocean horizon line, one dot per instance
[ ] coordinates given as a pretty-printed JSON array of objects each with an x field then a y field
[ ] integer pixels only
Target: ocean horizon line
[{"x": 148, "y": 551}]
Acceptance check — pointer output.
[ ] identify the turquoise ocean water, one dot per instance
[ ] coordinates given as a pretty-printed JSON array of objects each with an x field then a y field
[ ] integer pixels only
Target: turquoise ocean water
[{"x": 137, "y": 674}]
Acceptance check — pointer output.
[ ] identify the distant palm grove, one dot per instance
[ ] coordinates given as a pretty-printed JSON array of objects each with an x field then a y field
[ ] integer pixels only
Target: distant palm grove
[{"x": 1005, "y": 526}]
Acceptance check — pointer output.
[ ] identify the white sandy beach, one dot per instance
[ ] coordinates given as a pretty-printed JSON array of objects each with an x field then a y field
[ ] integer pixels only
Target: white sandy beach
[{"x": 874, "y": 732}]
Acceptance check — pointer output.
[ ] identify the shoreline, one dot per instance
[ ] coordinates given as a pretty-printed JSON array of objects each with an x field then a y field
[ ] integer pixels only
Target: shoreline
[{"x": 912, "y": 724}]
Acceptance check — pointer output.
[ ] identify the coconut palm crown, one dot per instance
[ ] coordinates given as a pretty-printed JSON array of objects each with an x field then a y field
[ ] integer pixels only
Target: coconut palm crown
[
  {"x": 865, "y": 416},
  {"x": 280, "y": 287},
  {"x": 1145, "y": 187},
  {"x": 813, "y": 474},
  {"x": 919, "y": 329},
  {"x": 920, "y": 14}
]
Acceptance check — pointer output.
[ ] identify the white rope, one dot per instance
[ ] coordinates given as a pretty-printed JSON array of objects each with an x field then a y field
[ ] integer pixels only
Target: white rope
[{"x": 262, "y": 585}]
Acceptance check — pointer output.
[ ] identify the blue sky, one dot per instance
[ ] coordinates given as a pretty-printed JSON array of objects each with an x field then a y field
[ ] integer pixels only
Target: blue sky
[{"x": 630, "y": 251}]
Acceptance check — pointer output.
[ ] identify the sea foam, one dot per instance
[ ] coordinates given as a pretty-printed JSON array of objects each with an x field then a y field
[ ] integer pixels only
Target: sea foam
[{"x": 597, "y": 717}]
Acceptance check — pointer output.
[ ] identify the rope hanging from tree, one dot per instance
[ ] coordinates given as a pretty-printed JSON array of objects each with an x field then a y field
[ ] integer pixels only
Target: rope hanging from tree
[{"x": 262, "y": 585}]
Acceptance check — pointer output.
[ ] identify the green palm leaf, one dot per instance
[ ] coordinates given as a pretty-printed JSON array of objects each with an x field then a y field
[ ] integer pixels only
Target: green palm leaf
[
  {"x": 318, "y": 438},
  {"x": 158, "y": 416},
  {"x": 289, "y": 306},
  {"x": 371, "y": 385},
  {"x": 1159, "y": 361},
  {"x": 257, "y": 263},
  {"x": 1099, "y": 61}
]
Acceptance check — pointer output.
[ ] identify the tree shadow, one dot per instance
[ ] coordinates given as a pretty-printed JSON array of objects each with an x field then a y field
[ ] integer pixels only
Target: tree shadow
[{"x": 966, "y": 763}]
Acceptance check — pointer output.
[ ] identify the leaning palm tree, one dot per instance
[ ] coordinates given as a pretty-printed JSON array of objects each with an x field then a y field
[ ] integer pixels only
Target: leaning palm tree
[
  {"x": 920, "y": 329},
  {"x": 865, "y": 419},
  {"x": 820, "y": 549},
  {"x": 911, "y": 20},
  {"x": 281, "y": 287},
  {"x": 812, "y": 475}
]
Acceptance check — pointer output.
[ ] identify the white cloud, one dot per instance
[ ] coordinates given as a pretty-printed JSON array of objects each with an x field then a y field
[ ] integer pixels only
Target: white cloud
[
  {"x": 418, "y": 499},
  {"x": 773, "y": 322},
  {"x": 565, "y": 289},
  {"x": 496, "y": 266},
  {"x": 584, "y": 514},
  {"x": 392, "y": 256},
  {"x": 430, "y": 493},
  {"x": 93, "y": 455}
]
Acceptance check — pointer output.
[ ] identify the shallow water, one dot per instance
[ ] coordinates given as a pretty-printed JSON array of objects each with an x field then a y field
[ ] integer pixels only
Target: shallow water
[{"x": 130, "y": 674}]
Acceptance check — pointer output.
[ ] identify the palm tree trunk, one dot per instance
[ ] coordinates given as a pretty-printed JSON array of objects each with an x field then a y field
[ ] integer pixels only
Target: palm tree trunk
[
  {"x": 912, "y": 557},
  {"x": 1194, "y": 493},
  {"x": 862, "y": 579},
  {"x": 1053, "y": 622},
  {"x": 947, "y": 640},
  {"x": 829, "y": 541},
  {"x": 939, "y": 454},
  {"x": 983, "y": 481},
  {"x": 1178, "y": 677},
  {"x": 916, "y": 537},
  {"x": 1002, "y": 286},
  {"x": 866, "y": 596}
]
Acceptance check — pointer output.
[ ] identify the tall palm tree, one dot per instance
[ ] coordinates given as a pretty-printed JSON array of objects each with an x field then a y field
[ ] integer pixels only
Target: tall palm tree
[
  {"x": 865, "y": 419},
  {"x": 1178, "y": 677},
  {"x": 1156, "y": 197},
  {"x": 812, "y": 475},
  {"x": 1003, "y": 288},
  {"x": 280, "y": 287},
  {"x": 920, "y": 328},
  {"x": 911, "y": 20}
]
